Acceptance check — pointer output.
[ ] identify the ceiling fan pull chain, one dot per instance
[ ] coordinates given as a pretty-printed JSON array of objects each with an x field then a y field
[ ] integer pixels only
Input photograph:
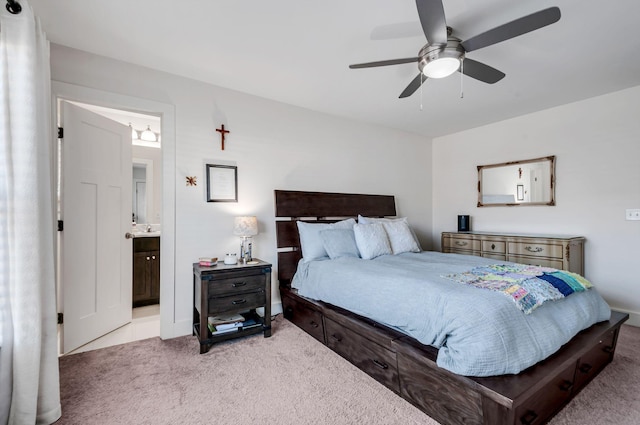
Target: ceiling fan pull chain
[
  {"x": 462, "y": 79},
  {"x": 420, "y": 93}
]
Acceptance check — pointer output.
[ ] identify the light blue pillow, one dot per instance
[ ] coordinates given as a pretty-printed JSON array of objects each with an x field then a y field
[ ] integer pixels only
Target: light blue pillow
[
  {"x": 372, "y": 240},
  {"x": 310, "y": 240},
  {"x": 339, "y": 243}
]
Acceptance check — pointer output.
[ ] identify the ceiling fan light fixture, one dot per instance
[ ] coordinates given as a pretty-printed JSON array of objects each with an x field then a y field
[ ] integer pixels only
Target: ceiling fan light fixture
[{"x": 441, "y": 67}]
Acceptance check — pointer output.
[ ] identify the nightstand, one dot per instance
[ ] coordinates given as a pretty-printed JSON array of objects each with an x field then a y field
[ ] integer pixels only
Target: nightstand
[{"x": 227, "y": 289}]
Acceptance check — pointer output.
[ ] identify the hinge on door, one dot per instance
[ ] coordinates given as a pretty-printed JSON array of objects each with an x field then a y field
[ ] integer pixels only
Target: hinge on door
[
  {"x": 60, "y": 133},
  {"x": 60, "y": 225},
  {"x": 60, "y": 318}
]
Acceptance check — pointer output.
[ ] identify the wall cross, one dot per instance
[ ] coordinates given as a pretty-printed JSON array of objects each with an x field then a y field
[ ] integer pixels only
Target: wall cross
[{"x": 222, "y": 132}]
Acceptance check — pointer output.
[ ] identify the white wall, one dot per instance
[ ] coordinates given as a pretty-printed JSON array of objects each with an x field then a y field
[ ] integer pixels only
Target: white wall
[
  {"x": 275, "y": 146},
  {"x": 596, "y": 142}
]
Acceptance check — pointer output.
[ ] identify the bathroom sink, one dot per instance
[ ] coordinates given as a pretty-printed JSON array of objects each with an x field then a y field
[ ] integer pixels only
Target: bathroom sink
[{"x": 141, "y": 234}]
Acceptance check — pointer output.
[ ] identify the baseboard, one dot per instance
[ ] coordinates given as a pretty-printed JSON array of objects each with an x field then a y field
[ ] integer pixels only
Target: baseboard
[{"x": 634, "y": 317}]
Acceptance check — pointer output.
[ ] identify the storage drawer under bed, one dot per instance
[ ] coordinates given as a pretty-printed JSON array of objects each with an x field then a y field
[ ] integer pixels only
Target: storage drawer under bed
[{"x": 375, "y": 360}]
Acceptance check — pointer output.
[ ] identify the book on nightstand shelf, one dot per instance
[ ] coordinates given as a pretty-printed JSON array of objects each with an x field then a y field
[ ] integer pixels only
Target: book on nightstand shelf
[{"x": 225, "y": 324}]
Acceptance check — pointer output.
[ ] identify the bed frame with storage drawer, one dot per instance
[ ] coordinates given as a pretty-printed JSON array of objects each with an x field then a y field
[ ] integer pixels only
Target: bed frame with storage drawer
[{"x": 408, "y": 367}]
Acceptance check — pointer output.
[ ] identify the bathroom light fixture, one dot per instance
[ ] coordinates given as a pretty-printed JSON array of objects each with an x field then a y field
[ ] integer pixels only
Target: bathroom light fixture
[
  {"x": 148, "y": 135},
  {"x": 245, "y": 227},
  {"x": 134, "y": 133}
]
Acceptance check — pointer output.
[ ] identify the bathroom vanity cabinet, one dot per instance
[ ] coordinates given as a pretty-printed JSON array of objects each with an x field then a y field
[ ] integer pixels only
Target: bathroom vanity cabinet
[{"x": 146, "y": 271}]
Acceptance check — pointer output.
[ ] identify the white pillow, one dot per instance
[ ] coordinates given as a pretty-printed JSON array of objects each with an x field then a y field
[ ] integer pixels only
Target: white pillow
[
  {"x": 367, "y": 220},
  {"x": 310, "y": 240},
  {"x": 400, "y": 237},
  {"x": 372, "y": 240}
]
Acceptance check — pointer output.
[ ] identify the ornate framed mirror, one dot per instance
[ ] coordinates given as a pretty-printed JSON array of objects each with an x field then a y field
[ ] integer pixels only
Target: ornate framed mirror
[{"x": 515, "y": 183}]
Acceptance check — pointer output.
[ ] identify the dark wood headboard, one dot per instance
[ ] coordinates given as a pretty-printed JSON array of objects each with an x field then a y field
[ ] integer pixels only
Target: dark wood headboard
[{"x": 320, "y": 207}]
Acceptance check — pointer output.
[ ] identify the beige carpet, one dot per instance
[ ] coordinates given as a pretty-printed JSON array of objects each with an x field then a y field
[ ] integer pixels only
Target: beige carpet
[{"x": 289, "y": 378}]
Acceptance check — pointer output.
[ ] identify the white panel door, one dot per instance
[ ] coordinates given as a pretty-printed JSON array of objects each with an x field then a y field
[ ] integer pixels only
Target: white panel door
[{"x": 96, "y": 210}]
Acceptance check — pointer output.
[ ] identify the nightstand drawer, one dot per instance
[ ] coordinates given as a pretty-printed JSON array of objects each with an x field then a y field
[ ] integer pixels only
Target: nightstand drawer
[
  {"x": 535, "y": 249},
  {"x": 236, "y": 302},
  {"x": 235, "y": 285}
]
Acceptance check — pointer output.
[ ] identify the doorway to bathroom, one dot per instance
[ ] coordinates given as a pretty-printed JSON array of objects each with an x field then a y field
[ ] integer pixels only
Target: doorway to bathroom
[{"x": 117, "y": 301}]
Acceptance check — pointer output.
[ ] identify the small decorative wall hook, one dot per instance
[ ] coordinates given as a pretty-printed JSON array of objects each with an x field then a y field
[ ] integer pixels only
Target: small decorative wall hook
[{"x": 192, "y": 181}]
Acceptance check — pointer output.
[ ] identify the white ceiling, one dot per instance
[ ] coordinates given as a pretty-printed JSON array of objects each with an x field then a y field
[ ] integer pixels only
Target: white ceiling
[{"x": 298, "y": 52}]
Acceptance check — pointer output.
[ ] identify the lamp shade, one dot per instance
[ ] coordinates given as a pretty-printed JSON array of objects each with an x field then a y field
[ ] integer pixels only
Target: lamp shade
[{"x": 245, "y": 226}]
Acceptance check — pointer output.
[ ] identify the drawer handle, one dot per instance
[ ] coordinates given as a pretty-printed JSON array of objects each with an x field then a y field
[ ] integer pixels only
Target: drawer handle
[
  {"x": 380, "y": 364},
  {"x": 529, "y": 417},
  {"x": 147, "y": 258},
  {"x": 337, "y": 337},
  {"x": 566, "y": 385},
  {"x": 461, "y": 243},
  {"x": 237, "y": 302},
  {"x": 153, "y": 257},
  {"x": 493, "y": 246},
  {"x": 585, "y": 368},
  {"x": 239, "y": 284},
  {"x": 534, "y": 248},
  {"x": 313, "y": 324}
]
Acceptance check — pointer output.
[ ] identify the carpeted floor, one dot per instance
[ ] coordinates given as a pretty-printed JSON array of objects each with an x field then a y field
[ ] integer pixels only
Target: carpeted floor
[{"x": 289, "y": 378}]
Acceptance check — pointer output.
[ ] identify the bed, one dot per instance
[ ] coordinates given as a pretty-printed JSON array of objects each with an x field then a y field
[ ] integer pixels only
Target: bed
[{"x": 410, "y": 368}]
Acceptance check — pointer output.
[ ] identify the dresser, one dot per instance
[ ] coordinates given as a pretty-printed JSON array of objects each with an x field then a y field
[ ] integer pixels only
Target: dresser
[{"x": 557, "y": 251}]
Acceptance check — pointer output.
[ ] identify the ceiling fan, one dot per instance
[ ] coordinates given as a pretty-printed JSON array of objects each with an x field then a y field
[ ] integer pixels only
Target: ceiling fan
[{"x": 444, "y": 53}]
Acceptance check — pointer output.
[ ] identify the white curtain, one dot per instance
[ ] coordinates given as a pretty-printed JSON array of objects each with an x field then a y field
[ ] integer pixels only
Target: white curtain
[{"x": 29, "y": 383}]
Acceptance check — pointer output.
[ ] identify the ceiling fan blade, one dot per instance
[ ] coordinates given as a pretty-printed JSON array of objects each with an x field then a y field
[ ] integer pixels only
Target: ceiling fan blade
[
  {"x": 384, "y": 63},
  {"x": 513, "y": 29},
  {"x": 434, "y": 24},
  {"x": 481, "y": 72},
  {"x": 413, "y": 85}
]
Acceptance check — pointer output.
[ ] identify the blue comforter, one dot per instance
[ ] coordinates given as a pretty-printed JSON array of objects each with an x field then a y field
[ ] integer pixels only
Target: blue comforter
[{"x": 478, "y": 332}]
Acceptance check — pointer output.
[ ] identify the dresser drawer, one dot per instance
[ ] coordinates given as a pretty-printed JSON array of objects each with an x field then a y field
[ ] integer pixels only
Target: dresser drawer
[
  {"x": 236, "y": 302},
  {"x": 537, "y": 261},
  {"x": 548, "y": 400},
  {"x": 536, "y": 249},
  {"x": 375, "y": 360},
  {"x": 499, "y": 257},
  {"x": 597, "y": 358},
  {"x": 236, "y": 285},
  {"x": 462, "y": 243},
  {"x": 494, "y": 247}
]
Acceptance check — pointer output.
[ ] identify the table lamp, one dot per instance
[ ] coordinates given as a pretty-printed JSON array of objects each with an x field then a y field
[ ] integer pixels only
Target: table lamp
[{"x": 245, "y": 227}]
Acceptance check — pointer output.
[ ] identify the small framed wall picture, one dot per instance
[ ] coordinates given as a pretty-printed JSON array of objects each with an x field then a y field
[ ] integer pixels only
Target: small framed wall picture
[
  {"x": 520, "y": 192},
  {"x": 222, "y": 183}
]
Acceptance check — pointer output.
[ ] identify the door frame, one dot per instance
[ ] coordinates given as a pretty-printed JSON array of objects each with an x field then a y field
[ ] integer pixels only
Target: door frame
[{"x": 74, "y": 93}]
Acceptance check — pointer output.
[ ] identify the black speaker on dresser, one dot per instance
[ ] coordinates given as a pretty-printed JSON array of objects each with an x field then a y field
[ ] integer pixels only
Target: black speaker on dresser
[{"x": 463, "y": 223}]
